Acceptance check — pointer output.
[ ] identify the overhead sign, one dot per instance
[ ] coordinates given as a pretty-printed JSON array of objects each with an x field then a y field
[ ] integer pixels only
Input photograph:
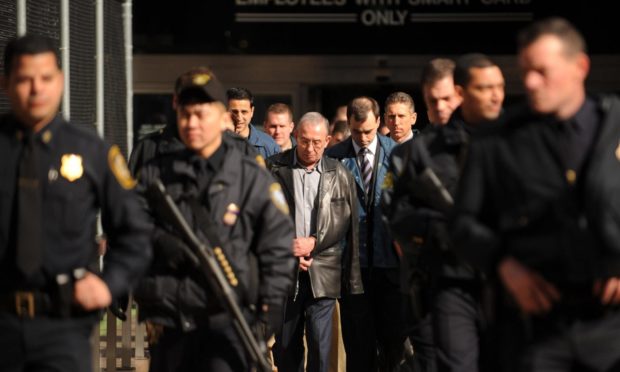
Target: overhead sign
[{"x": 382, "y": 12}]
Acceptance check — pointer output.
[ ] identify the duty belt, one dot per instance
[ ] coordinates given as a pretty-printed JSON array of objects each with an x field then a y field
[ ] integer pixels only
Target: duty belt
[{"x": 26, "y": 304}]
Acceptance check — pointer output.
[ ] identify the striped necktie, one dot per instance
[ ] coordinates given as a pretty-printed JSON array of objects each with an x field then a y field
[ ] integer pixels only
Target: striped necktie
[{"x": 366, "y": 168}]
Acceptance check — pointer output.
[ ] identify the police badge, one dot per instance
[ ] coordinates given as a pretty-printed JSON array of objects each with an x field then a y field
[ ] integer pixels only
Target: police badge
[{"x": 71, "y": 167}]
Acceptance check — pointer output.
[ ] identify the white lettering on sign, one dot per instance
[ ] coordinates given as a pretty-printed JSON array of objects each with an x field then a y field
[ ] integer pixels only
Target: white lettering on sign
[
  {"x": 506, "y": 2},
  {"x": 383, "y": 17},
  {"x": 377, "y": 2},
  {"x": 438, "y": 2},
  {"x": 291, "y": 2}
]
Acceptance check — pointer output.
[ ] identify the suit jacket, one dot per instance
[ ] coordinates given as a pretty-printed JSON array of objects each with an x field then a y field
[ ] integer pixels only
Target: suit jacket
[
  {"x": 517, "y": 199},
  {"x": 373, "y": 232},
  {"x": 336, "y": 254}
]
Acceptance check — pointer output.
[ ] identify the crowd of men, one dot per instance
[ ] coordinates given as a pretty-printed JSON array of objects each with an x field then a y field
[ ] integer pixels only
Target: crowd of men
[{"x": 489, "y": 241}]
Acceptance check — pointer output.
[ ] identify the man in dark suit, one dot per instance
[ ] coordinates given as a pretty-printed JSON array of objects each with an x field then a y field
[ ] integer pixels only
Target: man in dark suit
[
  {"x": 373, "y": 321},
  {"x": 321, "y": 195},
  {"x": 538, "y": 209}
]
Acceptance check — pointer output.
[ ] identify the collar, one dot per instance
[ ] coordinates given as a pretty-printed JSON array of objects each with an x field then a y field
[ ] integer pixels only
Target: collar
[
  {"x": 213, "y": 162},
  {"x": 408, "y": 137},
  {"x": 45, "y": 136},
  {"x": 296, "y": 165},
  {"x": 372, "y": 148},
  {"x": 585, "y": 116}
]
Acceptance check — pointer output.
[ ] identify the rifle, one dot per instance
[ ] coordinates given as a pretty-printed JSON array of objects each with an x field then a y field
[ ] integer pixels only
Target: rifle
[
  {"x": 426, "y": 186},
  {"x": 216, "y": 268}
]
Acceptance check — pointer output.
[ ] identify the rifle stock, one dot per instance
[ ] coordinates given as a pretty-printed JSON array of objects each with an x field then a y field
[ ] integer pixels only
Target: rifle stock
[{"x": 211, "y": 260}]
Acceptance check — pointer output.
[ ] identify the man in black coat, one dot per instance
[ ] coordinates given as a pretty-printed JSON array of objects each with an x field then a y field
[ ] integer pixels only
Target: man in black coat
[
  {"x": 445, "y": 291},
  {"x": 321, "y": 195},
  {"x": 55, "y": 178},
  {"x": 228, "y": 197},
  {"x": 538, "y": 209}
]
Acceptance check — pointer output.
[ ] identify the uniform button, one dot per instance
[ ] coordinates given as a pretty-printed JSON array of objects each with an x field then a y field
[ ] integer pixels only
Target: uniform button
[{"x": 186, "y": 324}]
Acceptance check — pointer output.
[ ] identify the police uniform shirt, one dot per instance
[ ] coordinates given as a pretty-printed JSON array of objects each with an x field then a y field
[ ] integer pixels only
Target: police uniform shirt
[
  {"x": 79, "y": 175},
  {"x": 576, "y": 135}
]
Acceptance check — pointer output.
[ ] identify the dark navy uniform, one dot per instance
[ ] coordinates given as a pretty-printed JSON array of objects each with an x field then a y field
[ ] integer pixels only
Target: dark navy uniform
[
  {"x": 444, "y": 291},
  {"x": 555, "y": 210},
  {"x": 79, "y": 175},
  {"x": 252, "y": 222}
]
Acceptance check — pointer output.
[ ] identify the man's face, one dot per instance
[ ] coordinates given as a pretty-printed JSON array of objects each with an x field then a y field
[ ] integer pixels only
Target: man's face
[
  {"x": 441, "y": 100},
  {"x": 279, "y": 127},
  {"x": 399, "y": 118},
  {"x": 364, "y": 132},
  {"x": 34, "y": 88},
  {"x": 552, "y": 79},
  {"x": 241, "y": 112},
  {"x": 312, "y": 139},
  {"x": 483, "y": 95},
  {"x": 337, "y": 137},
  {"x": 200, "y": 126}
]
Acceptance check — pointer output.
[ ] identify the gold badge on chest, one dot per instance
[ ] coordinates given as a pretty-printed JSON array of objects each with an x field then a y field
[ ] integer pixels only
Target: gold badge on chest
[{"x": 71, "y": 167}]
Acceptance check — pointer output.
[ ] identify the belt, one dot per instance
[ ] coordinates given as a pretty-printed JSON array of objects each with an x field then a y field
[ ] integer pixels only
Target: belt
[{"x": 27, "y": 304}]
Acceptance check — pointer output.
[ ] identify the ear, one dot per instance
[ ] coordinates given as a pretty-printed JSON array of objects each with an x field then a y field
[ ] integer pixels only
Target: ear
[
  {"x": 459, "y": 91},
  {"x": 583, "y": 65},
  {"x": 174, "y": 102},
  {"x": 414, "y": 117},
  {"x": 328, "y": 139}
]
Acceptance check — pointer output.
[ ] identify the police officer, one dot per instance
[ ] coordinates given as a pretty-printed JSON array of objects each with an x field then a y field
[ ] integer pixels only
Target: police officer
[
  {"x": 224, "y": 196},
  {"x": 54, "y": 178},
  {"x": 448, "y": 289},
  {"x": 538, "y": 209}
]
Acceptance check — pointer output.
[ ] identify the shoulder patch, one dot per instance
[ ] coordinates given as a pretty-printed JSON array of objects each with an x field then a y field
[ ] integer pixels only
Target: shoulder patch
[
  {"x": 260, "y": 161},
  {"x": 118, "y": 166},
  {"x": 277, "y": 197},
  {"x": 388, "y": 181}
]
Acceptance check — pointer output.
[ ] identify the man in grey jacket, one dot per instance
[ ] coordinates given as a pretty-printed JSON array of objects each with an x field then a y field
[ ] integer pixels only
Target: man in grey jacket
[{"x": 321, "y": 196}]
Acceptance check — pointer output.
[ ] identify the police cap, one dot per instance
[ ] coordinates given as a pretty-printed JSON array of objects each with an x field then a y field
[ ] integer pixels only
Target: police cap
[{"x": 199, "y": 85}]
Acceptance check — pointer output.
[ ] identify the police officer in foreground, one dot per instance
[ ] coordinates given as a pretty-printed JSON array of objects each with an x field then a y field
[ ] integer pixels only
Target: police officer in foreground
[
  {"x": 446, "y": 291},
  {"x": 54, "y": 178},
  {"x": 538, "y": 210},
  {"x": 226, "y": 196}
]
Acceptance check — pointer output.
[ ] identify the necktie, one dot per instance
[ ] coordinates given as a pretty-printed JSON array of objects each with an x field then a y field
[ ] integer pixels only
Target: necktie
[
  {"x": 28, "y": 209},
  {"x": 366, "y": 169}
]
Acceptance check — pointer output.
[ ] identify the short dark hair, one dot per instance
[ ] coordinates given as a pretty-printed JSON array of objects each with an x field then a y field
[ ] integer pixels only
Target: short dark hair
[
  {"x": 436, "y": 69},
  {"x": 240, "y": 94},
  {"x": 279, "y": 108},
  {"x": 359, "y": 108},
  {"x": 571, "y": 38},
  {"x": 28, "y": 44},
  {"x": 400, "y": 97},
  {"x": 341, "y": 126},
  {"x": 466, "y": 62}
]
